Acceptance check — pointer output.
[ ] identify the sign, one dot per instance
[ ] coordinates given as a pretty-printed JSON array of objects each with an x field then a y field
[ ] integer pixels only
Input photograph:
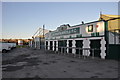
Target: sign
[
  {"x": 67, "y": 32},
  {"x": 90, "y": 28}
]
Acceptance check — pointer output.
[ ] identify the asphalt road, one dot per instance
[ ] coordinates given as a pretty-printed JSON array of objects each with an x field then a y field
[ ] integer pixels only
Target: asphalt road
[{"x": 29, "y": 63}]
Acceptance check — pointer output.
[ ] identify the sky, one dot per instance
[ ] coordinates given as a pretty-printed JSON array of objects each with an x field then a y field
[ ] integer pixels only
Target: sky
[{"x": 22, "y": 19}]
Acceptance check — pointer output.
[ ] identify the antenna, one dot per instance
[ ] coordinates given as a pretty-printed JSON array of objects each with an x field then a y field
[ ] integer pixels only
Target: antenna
[
  {"x": 101, "y": 15},
  {"x": 100, "y": 12}
]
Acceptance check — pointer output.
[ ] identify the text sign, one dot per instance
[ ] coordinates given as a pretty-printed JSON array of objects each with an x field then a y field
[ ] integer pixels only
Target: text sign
[{"x": 67, "y": 32}]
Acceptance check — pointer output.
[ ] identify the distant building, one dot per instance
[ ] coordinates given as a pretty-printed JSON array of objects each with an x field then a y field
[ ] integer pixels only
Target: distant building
[
  {"x": 38, "y": 39},
  {"x": 20, "y": 42}
]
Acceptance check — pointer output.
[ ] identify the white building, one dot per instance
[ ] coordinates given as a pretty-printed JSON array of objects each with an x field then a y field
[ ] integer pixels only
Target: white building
[{"x": 89, "y": 39}]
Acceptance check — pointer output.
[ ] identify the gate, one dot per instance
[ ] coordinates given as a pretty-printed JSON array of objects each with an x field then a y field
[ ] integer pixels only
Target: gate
[
  {"x": 54, "y": 45},
  {"x": 51, "y": 45},
  {"x": 62, "y": 43},
  {"x": 70, "y": 45},
  {"x": 79, "y": 44},
  {"x": 95, "y": 44}
]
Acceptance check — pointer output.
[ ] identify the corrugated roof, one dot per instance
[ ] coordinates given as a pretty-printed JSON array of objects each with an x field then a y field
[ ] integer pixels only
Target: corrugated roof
[
  {"x": 112, "y": 23},
  {"x": 107, "y": 17}
]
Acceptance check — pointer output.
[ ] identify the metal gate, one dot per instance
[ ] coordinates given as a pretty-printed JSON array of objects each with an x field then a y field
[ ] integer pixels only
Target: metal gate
[
  {"x": 54, "y": 45},
  {"x": 95, "y": 44},
  {"x": 51, "y": 45},
  {"x": 62, "y": 43},
  {"x": 70, "y": 45},
  {"x": 79, "y": 44}
]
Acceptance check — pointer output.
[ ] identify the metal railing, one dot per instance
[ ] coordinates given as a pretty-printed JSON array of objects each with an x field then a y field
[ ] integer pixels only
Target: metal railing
[{"x": 65, "y": 51}]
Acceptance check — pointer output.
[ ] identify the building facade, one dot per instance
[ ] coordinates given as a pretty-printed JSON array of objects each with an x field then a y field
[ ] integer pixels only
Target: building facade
[
  {"x": 89, "y": 39},
  {"x": 84, "y": 36}
]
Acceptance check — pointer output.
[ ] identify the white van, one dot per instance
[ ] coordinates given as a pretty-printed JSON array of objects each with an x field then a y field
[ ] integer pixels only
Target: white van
[
  {"x": 4, "y": 47},
  {"x": 12, "y": 45}
]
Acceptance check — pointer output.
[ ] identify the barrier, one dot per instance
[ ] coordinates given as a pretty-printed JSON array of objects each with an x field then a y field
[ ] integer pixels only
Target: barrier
[{"x": 63, "y": 51}]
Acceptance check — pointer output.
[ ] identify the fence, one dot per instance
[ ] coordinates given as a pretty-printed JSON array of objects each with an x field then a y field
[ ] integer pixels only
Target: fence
[{"x": 84, "y": 54}]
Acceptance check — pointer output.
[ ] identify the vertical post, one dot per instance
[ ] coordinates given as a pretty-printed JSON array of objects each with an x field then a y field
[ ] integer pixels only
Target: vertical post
[
  {"x": 114, "y": 37},
  {"x": 43, "y": 37},
  {"x": 106, "y": 37},
  {"x": 79, "y": 52},
  {"x": 92, "y": 53},
  {"x": 39, "y": 40}
]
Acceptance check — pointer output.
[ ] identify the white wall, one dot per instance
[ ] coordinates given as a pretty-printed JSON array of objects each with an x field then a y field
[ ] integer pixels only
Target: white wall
[{"x": 83, "y": 31}]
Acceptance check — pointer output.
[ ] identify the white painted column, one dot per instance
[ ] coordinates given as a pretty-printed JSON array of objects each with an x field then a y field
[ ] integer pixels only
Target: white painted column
[
  {"x": 73, "y": 45},
  {"x": 53, "y": 45},
  {"x": 103, "y": 48},
  {"x": 57, "y": 45},
  {"x": 67, "y": 46},
  {"x": 86, "y": 44},
  {"x": 48, "y": 45}
]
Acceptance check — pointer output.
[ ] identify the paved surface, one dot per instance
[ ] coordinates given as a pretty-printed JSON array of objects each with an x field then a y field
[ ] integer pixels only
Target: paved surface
[{"x": 29, "y": 63}]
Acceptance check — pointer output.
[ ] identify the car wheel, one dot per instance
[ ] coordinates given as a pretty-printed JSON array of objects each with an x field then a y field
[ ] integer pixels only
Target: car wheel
[{"x": 4, "y": 51}]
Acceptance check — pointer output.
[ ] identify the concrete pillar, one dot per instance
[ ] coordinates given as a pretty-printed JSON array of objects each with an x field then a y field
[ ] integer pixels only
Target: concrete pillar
[
  {"x": 48, "y": 45},
  {"x": 86, "y": 44},
  {"x": 73, "y": 45},
  {"x": 103, "y": 48},
  {"x": 57, "y": 45},
  {"x": 67, "y": 46}
]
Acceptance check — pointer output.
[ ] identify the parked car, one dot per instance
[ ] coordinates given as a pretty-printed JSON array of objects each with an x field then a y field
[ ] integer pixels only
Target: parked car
[{"x": 4, "y": 47}]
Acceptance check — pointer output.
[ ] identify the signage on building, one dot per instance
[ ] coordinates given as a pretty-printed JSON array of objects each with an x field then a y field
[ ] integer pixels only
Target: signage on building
[
  {"x": 67, "y": 32},
  {"x": 90, "y": 28}
]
